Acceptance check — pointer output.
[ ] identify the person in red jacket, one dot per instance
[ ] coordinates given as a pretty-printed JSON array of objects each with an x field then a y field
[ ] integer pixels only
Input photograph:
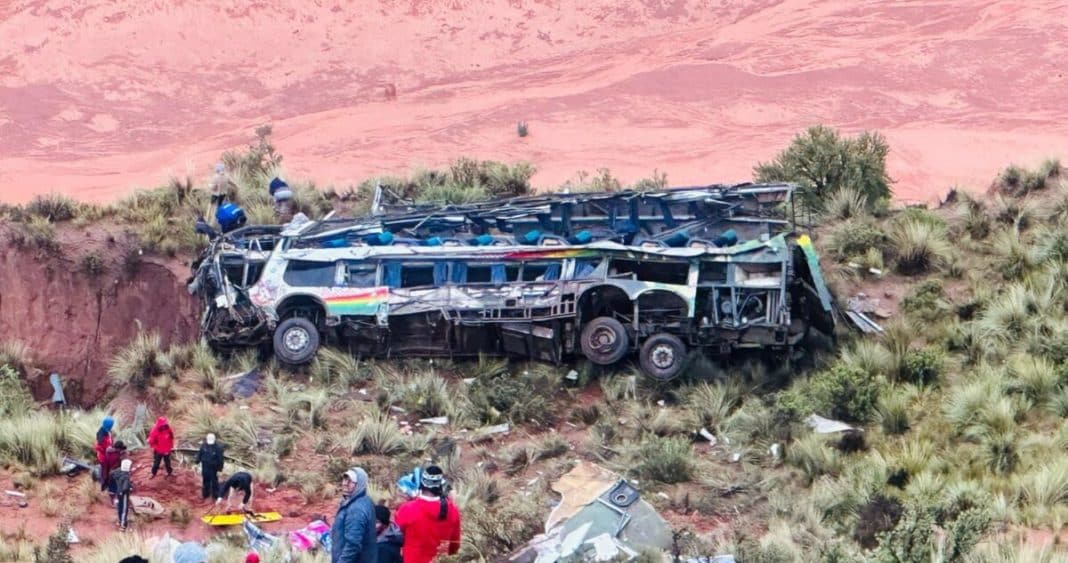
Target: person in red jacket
[
  {"x": 161, "y": 439},
  {"x": 112, "y": 459},
  {"x": 103, "y": 438},
  {"x": 430, "y": 522}
]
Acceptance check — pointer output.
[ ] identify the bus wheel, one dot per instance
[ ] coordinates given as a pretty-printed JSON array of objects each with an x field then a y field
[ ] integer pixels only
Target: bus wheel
[
  {"x": 604, "y": 341},
  {"x": 662, "y": 357},
  {"x": 295, "y": 341}
]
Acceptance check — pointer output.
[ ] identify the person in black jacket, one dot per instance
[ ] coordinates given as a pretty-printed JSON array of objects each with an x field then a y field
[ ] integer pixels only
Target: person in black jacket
[
  {"x": 390, "y": 538},
  {"x": 123, "y": 487},
  {"x": 210, "y": 458},
  {"x": 240, "y": 481}
]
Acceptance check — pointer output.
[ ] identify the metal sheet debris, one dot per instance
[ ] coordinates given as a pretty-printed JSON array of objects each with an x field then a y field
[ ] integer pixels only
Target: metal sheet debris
[{"x": 825, "y": 425}]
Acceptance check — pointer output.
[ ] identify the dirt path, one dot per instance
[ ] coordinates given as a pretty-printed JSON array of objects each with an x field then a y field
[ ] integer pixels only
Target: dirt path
[{"x": 97, "y": 100}]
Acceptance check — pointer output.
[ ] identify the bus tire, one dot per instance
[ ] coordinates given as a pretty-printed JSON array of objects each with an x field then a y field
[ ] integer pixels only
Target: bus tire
[
  {"x": 662, "y": 357},
  {"x": 295, "y": 341},
  {"x": 604, "y": 341}
]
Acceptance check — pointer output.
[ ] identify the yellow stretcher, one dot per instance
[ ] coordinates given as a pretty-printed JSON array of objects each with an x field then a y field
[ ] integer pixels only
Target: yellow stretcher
[{"x": 239, "y": 518}]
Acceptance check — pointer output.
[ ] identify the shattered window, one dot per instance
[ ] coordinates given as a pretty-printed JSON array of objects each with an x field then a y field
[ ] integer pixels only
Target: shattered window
[
  {"x": 359, "y": 274},
  {"x": 302, "y": 273},
  {"x": 541, "y": 271},
  {"x": 479, "y": 274},
  {"x": 713, "y": 272},
  {"x": 585, "y": 268},
  {"x": 657, "y": 272},
  {"x": 417, "y": 275}
]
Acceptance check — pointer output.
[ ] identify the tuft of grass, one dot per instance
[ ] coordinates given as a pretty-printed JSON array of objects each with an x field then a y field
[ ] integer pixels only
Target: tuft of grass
[
  {"x": 37, "y": 233},
  {"x": 711, "y": 403},
  {"x": 813, "y": 456},
  {"x": 846, "y": 203},
  {"x": 920, "y": 246},
  {"x": 1034, "y": 377},
  {"x": 1047, "y": 486},
  {"x": 338, "y": 366},
  {"x": 376, "y": 435},
  {"x": 855, "y": 237},
  {"x": 893, "y": 411},
  {"x": 868, "y": 356},
  {"x": 665, "y": 460},
  {"x": 54, "y": 208},
  {"x": 139, "y": 361},
  {"x": 520, "y": 398},
  {"x": 424, "y": 394}
]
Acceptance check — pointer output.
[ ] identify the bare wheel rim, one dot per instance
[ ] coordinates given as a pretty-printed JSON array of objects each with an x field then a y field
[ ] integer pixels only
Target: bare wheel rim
[
  {"x": 602, "y": 339},
  {"x": 296, "y": 339},
  {"x": 663, "y": 356}
]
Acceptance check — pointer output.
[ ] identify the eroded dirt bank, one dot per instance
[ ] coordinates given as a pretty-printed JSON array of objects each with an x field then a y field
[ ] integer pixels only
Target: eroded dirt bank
[{"x": 74, "y": 316}]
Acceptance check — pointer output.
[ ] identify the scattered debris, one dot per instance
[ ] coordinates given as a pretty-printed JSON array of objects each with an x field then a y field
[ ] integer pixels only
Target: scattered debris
[
  {"x": 859, "y": 307},
  {"x": 572, "y": 375},
  {"x": 247, "y": 383},
  {"x": 146, "y": 505},
  {"x": 708, "y": 436},
  {"x": 775, "y": 451},
  {"x": 825, "y": 425},
  {"x": 435, "y": 420},
  {"x": 15, "y": 494},
  {"x": 600, "y": 517},
  {"x": 72, "y": 537}
]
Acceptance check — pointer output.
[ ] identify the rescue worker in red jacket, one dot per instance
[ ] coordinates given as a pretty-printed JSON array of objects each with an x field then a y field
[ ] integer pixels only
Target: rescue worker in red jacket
[
  {"x": 161, "y": 439},
  {"x": 430, "y": 522}
]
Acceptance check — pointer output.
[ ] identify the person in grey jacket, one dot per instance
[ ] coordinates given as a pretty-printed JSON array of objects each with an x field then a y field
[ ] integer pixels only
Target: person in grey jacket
[{"x": 353, "y": 538}]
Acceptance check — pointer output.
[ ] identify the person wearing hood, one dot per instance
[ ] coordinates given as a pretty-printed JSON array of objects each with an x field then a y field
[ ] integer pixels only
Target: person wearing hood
[
  {"x": 430, "y": 522},
  {"x": 390, "y": 538},
  {"x": 161, "y": 440},
  {"x": 110, "y": 463},
  {"x": 210, "y": 458},
  {"x": 352, "y": 537},
  {"x": 123, "y": 483},
  {"x": 103, "y": 438}
]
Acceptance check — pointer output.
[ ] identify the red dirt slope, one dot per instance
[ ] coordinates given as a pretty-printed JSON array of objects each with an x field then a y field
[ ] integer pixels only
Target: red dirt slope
[{"x": 95, "y": 100}]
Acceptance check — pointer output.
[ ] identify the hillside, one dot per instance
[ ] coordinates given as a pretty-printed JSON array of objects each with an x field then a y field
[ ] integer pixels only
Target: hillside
[
  {"x": 960, "y": 405},
  {"x": 96, "y": 99}
]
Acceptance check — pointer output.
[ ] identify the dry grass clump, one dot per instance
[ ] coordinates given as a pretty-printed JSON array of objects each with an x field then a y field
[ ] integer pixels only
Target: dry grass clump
[
  {"x": 920, "y": 246},
  {"x": 141, "y": 360}
]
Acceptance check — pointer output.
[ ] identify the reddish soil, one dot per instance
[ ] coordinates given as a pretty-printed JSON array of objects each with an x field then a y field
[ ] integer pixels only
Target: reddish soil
[
  {"x": 99, "y": 518},
  {"x": 74, "y": 322},
  {"x": 97, "y": 99}
]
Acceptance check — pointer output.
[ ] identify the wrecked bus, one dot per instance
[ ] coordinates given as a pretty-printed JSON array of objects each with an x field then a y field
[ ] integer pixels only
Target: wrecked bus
[{"x": 708, "y": 275}]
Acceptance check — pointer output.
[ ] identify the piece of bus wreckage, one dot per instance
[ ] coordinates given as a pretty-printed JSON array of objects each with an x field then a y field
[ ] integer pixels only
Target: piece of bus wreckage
[{"x": 601, "y": 275}]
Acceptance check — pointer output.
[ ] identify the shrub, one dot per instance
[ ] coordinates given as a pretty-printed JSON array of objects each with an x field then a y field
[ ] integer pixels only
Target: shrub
[
  {"x": 911, "y": 540},
  {"x": 923, "y": 367},
  {"x": 920, "y": 246},
  {"x": 822, "y": 163},
  {"x": 56, "y": 550},
  {"x": 522, "y": 398},
  {"x": 93, "y": 265},
  {"x": 926, "y": 300},
  {"x": 15, "y": 398},
  {"x": 502, "y": 530},
  {"x": 666, "y": 460},
  {"x": 55, "y": 208},
  {"x": 854, "y": 238},
  {"x": 37, "y": 233},
  {"x": 842, "y": 392}
]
